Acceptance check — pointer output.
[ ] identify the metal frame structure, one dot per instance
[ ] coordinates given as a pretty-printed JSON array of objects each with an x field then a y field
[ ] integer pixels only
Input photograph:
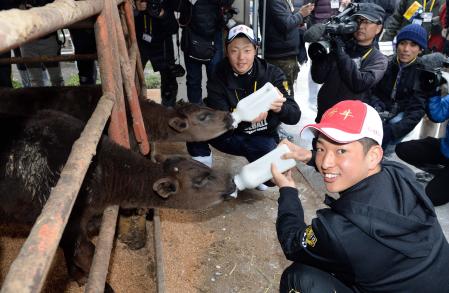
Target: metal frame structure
[{"x": 29, "y": 270}]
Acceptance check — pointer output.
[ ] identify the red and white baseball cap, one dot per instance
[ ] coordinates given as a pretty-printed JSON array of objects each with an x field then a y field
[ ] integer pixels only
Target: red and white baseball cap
[{"x": 348, "y": 121}]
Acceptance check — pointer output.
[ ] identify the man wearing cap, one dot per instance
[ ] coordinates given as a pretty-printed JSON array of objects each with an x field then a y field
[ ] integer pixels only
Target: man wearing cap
[
  {"x": 380, "y": 235},
  {"x": 238, "y": 75},
  {"x": 352, "y": 67},
  {"x": 397, "y": 97}
]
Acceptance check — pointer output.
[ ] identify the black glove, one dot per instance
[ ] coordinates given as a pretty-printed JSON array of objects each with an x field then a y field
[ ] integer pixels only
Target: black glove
[{"x": 338, "y": 46}]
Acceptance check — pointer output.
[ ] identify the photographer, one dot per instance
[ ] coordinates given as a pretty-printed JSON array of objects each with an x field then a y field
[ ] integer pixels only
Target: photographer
[
  {"x": 431, "y": 154},
  {"x": 155, "y": 24},
  {"x": 397, "y": 97},
  {"x": 353, "y": 66}
]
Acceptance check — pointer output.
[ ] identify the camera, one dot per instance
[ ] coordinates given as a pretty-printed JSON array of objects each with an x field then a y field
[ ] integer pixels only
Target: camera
[
  {"x": 227, "y": 13},
  {"x": 434, "y": 81},
  {"x": 385, "y": 115},
  {"x": 176, "y": 70},
  {"x": 341, "y": 24},
  {"x": 154, "y": 7}
]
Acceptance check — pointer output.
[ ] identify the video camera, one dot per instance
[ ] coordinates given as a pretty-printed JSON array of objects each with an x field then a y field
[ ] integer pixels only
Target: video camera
[
  {"x": 321, "y": 37},
  {"x": 434, "y": 81}
]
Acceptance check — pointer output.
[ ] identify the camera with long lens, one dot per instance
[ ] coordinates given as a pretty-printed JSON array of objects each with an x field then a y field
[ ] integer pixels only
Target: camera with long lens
[
  {"x": 434, "y": 77},
  {"x": 154, "y": 7},
  {"x": 228, "y": 13},
  {"x": 341, "y": 24}
]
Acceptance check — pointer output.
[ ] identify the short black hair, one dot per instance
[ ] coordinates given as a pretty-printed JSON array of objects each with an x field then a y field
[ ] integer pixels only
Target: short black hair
[{"x": 367, "y": 143}]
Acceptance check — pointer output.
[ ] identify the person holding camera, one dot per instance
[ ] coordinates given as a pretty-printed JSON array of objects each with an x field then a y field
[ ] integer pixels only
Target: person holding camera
[
  {"x": 431, "y": 154},
  {"x": 380, "y": 235},
  {"x": 353, "y": 67},
  {"x": 422, "y": 12},
  {"x": 155, "y": 25},
  {"x": 282, "y": 36},
  {"x": 238, "y": 75},
  {"x": 398, "y": 97}
]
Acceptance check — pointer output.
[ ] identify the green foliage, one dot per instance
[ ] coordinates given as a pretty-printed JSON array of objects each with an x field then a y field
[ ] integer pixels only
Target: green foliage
[
  {"x": 153, "y": 80},
  {"x": 73, "y": 80},
  {"x": 16, "y": 84}
]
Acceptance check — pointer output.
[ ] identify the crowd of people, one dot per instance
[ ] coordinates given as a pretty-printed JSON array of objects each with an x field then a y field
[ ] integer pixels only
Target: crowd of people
[{"x": 382, "y": 233}]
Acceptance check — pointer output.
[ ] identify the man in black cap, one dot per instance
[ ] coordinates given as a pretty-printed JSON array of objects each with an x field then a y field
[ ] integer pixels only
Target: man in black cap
[{"x": 353, "y": 66}]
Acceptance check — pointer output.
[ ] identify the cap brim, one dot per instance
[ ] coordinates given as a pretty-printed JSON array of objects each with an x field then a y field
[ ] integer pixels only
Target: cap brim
[
  {"x": 246, "y": 36},
  {"x": 369, "y": 17},
  {"x": 334, "y": 134}
]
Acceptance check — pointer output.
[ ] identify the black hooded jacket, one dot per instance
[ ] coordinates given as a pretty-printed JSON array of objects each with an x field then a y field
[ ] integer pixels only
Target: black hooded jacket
[
  {"x": 225, "y": 89},
  {"x": 381, "y": 235}
]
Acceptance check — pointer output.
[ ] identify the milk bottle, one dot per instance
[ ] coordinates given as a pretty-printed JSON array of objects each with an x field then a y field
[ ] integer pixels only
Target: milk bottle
[
  {"x": 251, "y": 106},
  {"x": 259, "y": 171}
]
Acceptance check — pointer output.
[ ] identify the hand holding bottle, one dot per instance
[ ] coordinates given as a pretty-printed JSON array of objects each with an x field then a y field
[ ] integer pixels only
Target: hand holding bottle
[
  {"x": 282, "y": 180},
  {"x": 276, "y": 105},
  {"x": 298, "y": 153}
]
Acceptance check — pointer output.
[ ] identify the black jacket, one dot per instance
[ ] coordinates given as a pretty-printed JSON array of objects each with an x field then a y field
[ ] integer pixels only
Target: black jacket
[
  {"x": 350, "y": 76},
  {"x": 159, "y": 28},
  {"x": 409, "y": 98},
  {"x": 382, "y": 235},
  {"x": 224, "y": 91},
  {"x": 281, "y": 29},
  {"x": 205, "y": 17}
]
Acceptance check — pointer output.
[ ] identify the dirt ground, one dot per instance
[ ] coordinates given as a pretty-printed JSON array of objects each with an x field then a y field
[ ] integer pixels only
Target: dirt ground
[{"x": 228, "y": 248}]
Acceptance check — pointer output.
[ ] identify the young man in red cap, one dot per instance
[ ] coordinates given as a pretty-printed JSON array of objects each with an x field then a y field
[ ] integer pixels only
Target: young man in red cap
[{"x": 381, "y": 235}]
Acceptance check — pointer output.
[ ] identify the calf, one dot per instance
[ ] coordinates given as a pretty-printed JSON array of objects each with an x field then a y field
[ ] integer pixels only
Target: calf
[
  {"x": 188, "y": 122},
  {"x": 33, "y": 152}
]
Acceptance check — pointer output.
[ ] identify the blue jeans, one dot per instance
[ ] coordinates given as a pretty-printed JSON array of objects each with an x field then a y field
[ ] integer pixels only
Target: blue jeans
[
  {"x": 195, "y": 73},
  {"x": 250, "y": 147}
]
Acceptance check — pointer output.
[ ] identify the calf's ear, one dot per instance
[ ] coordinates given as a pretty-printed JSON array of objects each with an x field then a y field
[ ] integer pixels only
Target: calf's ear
[
  {"x": 166, "y": 186},
  {"x": 178, "y": 124}
]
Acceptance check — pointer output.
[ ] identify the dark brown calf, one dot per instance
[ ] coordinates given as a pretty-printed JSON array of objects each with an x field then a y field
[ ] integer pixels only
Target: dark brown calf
[
  {"x": 33, "y": 151},
  {"x": 188, "y": 122}
]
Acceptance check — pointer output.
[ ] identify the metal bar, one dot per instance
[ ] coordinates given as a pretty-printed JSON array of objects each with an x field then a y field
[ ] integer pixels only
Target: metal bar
[
  {"x": 132, "y": 34},
  {"x": 160, "y": 273},
  {"x": 19, "y": 26},
  {"x": 29, "y": 270},
  {"x": 43, "y": 59},
  {"x": 103, "y": 250},
  {"x": 111, "y": 80},
  {"x": 130, "y": 88}
]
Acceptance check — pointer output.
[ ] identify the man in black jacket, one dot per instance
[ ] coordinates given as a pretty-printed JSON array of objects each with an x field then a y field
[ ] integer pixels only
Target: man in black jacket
[
  {"x": 353, "y": 67},
  {"x": 381, "y": 235},
  {"x": 155, "y": 26},
  {"x": 237, "y": 76},
  {"x": 282, "y": 36},
  {"x": 397, "y": 97}
]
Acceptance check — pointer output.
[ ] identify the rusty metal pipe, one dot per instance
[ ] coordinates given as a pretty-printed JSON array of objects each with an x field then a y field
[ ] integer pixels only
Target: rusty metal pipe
[
  {"x": 29, "y": 270},
  {"x": 130, "y": 89},
  {"x": 44, "y": 59},
  {"x": 99, "y": 272},
  {"x": 20, "y": 26},
  {"x": 129, "y": 16}
]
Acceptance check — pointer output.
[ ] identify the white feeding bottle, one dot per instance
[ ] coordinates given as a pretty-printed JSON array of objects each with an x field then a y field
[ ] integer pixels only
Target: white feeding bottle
[
  {"x": 251, "y": 106},
  {"x": 259, "y": 171}
]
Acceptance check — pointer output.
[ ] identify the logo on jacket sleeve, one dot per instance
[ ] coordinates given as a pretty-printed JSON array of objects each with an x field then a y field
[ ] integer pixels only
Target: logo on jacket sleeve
[{"x": 309, "y": 237}]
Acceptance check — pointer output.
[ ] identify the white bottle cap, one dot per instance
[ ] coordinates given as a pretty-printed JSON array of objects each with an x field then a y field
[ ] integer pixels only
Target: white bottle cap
[
  {"x": 239, "y": 183},
  {"x": 236, "y": 118}
]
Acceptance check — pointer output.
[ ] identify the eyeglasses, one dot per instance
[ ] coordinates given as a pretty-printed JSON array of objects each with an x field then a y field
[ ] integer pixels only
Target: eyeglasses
[{"x": 361, "y": 20}]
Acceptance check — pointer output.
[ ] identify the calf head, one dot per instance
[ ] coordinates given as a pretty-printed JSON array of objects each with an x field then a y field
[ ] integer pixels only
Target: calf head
[
  {"x": 188, "y": 184},
  {"x": 199, "y": 123}
]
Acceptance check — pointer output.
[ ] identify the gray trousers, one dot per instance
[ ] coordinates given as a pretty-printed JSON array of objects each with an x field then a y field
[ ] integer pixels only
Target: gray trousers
[{"x": 49, "y": 47}]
